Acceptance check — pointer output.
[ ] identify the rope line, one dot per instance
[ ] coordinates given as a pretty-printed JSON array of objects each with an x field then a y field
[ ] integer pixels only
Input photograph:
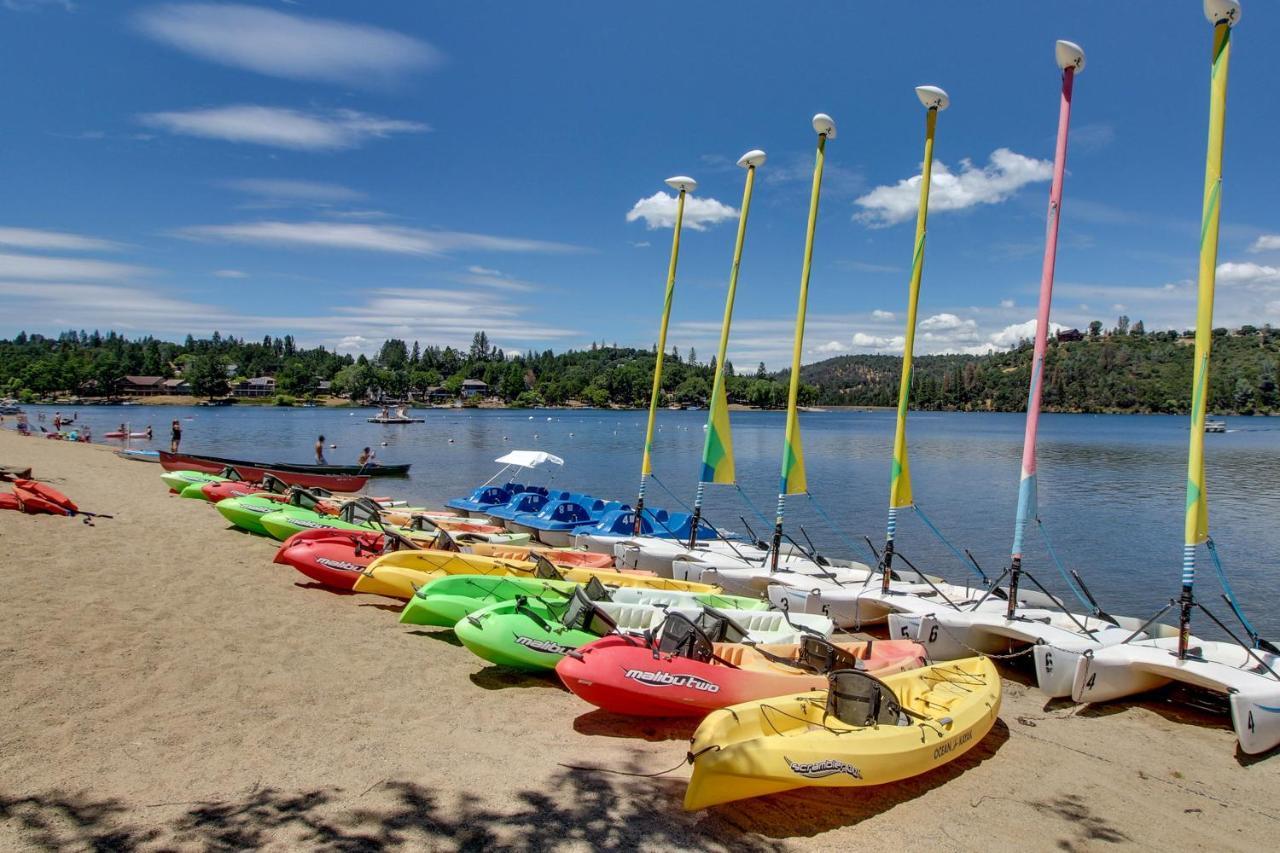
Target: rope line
[
  {"x": 1226, "y": 587},
  {"x": 938, "y": 533},
  {"x": 822, "y": 513},
  {"x": 1062, "y": 570}
]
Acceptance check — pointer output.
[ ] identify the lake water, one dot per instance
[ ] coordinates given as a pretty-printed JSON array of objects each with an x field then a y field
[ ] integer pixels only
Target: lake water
[{"x": 1111, "y": 487}]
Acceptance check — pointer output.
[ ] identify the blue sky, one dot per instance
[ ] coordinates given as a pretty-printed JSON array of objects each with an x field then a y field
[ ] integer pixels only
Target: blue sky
[{"x": 348, "y": 172}]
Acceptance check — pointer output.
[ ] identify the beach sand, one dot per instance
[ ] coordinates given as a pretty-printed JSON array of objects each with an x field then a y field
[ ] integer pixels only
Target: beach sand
[{"x": 164, "y": 685}]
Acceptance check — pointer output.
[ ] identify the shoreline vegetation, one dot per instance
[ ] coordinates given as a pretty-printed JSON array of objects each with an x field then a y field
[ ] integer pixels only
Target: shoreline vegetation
[{"x": 1124, "y": 370}]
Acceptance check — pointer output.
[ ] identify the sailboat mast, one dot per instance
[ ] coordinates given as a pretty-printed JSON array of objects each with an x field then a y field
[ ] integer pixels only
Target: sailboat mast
[
  {"x": 1223, "y": 14},
  {"x": 684, "y": 186},
  {"x": 793, "y": 478},
  {"x": 935, "y": 101},
  {"x": 1070, "y": 59},
  {"x": 717, "y": 450}
]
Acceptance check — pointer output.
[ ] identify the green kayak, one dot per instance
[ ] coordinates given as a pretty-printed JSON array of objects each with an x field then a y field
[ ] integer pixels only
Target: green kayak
[
  {"x": 247, "y": 512},
  {"x": 178, "y": 481},
  {"x": 446, "y": 600},
  {"x": 288, "y": 520}
]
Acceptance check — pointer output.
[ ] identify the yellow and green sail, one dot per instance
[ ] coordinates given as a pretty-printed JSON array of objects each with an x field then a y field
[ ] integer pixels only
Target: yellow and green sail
[
  {"x": 900, "y": 471},
  {"x": 717, "y": 450},
  {"x": 1196, "y": 528}
]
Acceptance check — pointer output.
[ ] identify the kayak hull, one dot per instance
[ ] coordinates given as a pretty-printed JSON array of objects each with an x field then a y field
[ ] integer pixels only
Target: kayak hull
[{"x": 330, "y": 558}]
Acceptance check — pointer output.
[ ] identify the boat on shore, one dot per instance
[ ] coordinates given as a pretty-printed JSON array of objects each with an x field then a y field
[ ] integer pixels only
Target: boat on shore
[{"x": 296, "y": 475}]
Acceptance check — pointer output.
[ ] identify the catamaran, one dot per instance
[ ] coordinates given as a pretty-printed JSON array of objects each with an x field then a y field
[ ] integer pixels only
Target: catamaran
[
  {"x": 656, "y": 537},
  {"x": 748, "y": 573},
  {"x": 1247, "y": 672},
  {"x": 953, "y": 623}
]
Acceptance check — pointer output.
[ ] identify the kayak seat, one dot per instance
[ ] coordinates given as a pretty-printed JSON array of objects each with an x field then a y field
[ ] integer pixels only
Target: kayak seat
[
  {"x": 856, "y": 698},
  {"x": 731, "y": 653}
]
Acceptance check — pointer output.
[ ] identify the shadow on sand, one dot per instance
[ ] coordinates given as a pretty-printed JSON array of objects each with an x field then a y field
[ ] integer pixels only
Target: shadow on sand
[
  {"x": 578, "y": 808},
  {"x": 503, "y": 678},
  {"x": 600, "y": 723}
]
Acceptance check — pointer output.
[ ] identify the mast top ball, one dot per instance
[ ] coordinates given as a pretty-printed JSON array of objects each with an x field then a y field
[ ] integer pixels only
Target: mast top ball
[
  {"x": 754, "y": 157},
  {"x": 933, "y": 98},
  {"x": 682, "y": 183},
  {"x": 1069, "y": 55},
  {"x": 825, "y": 125},
  {"x": 1218, "y": 11}
]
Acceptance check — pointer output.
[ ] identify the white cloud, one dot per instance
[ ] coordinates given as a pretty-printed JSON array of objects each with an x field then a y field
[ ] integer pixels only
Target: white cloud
[
  {"x": 659, "y": 211},
  {"x": 37, "y": 240},
  {"x": 883, "y": 315},
  {"x": 282, "y": 189},
  {"x": 831, "y": 348},
  {"x": 364, "y": 237},
  {"x": 944, "y": 323},
  {"x": 890, "y": 343},
  {"x": 486, "y": 277},
  {"x": 231, "y": 274},
  {"x": 1247, "y": 274},
  {"x": 1012, "y": 335},
  {"x": 290, "y": 46},
  {"x": 282, "y": 128},
  {"x": 1266, "y": 243},
  {"x": 72, "y": 269},
  {"x": 1006, "y": 303},
  {"x": 36, "y": 5},
  {"x": 444, "y": 316},
  {"x": 1005, "y": 173}
]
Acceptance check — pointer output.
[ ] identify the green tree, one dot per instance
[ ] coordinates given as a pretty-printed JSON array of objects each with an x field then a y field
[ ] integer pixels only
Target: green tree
[{"x": 207, "y": 375}]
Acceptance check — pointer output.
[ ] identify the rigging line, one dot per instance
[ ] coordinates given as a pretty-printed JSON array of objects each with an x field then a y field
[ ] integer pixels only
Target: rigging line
[
  {"x": 938, "y": 533},
  {"x": 822, "y": 513},
  {"x": 1226, "y": 588},
  {"x": 746, "y": 500},
  {"x": 686, "y": 507},
  {"x": 1088, "y": 605}
]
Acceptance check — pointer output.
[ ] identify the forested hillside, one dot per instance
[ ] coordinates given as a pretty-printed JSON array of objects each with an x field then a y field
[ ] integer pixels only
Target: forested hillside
[{"x": 1124, "y": 370}]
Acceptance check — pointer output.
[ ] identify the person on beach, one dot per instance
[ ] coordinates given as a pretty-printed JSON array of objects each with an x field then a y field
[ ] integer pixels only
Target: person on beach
[
  {"x": 320, "y": 451},
  {"x": 57, "y": 421},
  {"x": 175, "y": 435}
]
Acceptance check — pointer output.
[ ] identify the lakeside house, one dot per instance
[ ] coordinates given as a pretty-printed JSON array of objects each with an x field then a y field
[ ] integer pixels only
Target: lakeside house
[
  {"x": 474, "y": 388},
  {"x": 437, "y": 395},
  {"x": 178, "y": 387},
  {"x": 259, "y": 386},
  {"x": 143, "y": 386}
]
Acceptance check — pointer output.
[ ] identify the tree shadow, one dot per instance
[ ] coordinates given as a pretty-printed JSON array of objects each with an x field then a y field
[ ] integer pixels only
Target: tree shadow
[
  {"x": 806, "y": 812},
  {"x": 1088, "y": 827},
  {"x": 576, "y": 807},
  {"x": 600, "y": 723},
  {"x": 504, "y": 677}
]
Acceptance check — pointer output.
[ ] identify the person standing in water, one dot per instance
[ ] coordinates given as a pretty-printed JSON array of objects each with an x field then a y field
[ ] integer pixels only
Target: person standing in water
[
  {"x": 320, "y": 451},
  {"x": 175, "y": 435},
  {"x": 148, "y": 432}
]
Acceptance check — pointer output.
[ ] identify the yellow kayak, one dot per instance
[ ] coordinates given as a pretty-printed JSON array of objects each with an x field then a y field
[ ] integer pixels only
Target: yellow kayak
[
  {"x": 399, "y": 574},
  {"x": 869, "y": 732}
]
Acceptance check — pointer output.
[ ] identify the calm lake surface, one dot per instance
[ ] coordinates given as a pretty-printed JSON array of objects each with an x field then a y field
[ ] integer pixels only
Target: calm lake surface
[{"x": 1112, "y": 487}]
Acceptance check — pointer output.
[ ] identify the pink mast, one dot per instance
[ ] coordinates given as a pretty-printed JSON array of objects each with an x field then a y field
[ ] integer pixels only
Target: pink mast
[{"x": 1070, "y": 59}]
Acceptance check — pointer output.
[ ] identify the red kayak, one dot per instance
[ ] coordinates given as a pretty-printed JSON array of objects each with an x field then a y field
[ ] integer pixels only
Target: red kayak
[
  {"x": 214, "y": 492},
  {"x": 628, "y": 676},
  {"x": 332, "y": 482},
  {"x": 331, "y": 557},
  {"x": 9, "y": 501},
  {"x": 37, "y": 498}
]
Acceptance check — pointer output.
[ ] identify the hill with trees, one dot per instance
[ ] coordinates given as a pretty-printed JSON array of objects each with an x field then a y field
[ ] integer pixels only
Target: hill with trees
[{"x": 1125, "y": 369}]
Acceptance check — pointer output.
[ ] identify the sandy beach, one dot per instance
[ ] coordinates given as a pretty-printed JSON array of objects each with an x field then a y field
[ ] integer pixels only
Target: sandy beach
[{"x": 165, "y": 686}]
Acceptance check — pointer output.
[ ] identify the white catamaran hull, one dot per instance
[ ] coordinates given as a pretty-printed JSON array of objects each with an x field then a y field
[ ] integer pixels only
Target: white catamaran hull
[
  {"x": 853, "y": 605},
  {"x": 1254, "y": 693},
  {"x": 652, "y": 554},
  {"x": 737, "y": 577}
]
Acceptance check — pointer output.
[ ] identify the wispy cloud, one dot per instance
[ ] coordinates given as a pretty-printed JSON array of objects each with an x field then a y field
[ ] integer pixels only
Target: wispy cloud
[
  {"x": 863, "y": 266},
  {"x": 37, "y": 5},
  {"x": 1247, "y": 274},
  {"x": 45, "y": 268},
  {"x": 486, "y": 277},
  {"x": 279, "y": 190},
  {"x": 1093, "y": 136},
  {"x": 1266, "y": 243},
  {"x": 290, "y": 46},
  {"x": 365, "y": 237},
  {"x": 1005, "y": 173},
  {"x": 659, "y": 211},
  {"x": 60, "y": 241},
  {"x": 279, "y": 127},
  {"x": 444, "y": 316},
  {"x": 231, "y": 274}
]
